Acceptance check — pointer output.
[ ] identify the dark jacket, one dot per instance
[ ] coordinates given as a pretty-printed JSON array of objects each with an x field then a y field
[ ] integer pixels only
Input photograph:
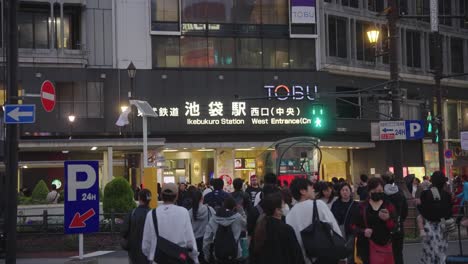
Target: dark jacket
[
  {"x": 362, "y": 192},
  {"x": 398, "y": 199},
  {"x": 242, "y": 198},
  {"x": 281, "y": 245},
  {"x": 215, "y": 199},
  {"x": 381, "y": 229},
  {"x": 132, "y": 229},
  {"x": 432, "y": 210},
  {"x": 339, "y": 210}
]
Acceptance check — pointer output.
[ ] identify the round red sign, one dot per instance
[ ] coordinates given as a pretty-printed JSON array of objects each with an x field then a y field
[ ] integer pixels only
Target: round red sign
[{"x": 48, "y": 95}]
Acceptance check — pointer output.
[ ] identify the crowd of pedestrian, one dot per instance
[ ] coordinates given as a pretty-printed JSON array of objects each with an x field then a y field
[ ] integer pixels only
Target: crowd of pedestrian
[{"x": 271, "y": 223}]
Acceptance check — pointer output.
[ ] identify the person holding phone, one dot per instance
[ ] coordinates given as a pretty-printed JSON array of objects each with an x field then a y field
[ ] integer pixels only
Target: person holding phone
[{"x": 374, "y": 226}]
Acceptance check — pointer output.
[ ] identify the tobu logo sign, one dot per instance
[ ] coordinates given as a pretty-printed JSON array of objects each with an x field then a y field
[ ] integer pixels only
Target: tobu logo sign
[{"x": 295, "y": 92}]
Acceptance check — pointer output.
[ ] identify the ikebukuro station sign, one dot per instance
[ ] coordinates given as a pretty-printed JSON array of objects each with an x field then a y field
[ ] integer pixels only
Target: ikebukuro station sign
[{"x": 280, "y": 105}]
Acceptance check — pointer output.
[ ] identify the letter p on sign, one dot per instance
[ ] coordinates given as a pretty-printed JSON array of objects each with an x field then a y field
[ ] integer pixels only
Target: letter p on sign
[
  {"x": 74, "y": 184},
  {"x": 414, "y": 129}
]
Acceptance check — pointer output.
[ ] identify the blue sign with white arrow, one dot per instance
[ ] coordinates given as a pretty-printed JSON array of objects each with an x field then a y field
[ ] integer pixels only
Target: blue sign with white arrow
[{"x": 20, "y": 114}]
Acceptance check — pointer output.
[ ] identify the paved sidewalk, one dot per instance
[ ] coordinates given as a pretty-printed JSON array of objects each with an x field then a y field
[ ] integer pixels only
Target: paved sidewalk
[{"x": 411, "y": 253}]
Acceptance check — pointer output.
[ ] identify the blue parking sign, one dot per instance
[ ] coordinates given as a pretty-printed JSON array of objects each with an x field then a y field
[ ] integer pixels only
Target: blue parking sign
[{"x": 81, "y": 197}]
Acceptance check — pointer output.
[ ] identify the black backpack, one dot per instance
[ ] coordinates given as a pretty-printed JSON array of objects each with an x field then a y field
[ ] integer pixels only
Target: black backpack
[{"x": 225, "y": 245}]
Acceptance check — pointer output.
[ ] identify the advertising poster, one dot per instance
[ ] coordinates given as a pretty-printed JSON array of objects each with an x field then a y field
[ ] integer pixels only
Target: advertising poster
[{"x": 303, "y": 11}]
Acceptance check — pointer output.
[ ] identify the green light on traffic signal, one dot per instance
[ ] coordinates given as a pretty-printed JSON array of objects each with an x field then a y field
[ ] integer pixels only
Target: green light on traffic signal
[
  {"x": 318, "y": 122},
  {"x": 429, "y": 122},
  {"x": 317, "y": 116}
]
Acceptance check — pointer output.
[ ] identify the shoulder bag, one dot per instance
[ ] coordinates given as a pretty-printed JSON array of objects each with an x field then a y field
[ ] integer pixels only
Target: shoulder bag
[
  {"x": 124, "y": 241},
  {"x": 322, "y": 242},
  {"x": 168, "y": 252},
  {"x": 379, "y": 254}
]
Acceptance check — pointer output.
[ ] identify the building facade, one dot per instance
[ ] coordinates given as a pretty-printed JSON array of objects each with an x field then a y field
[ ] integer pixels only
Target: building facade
[{"x": 227, "y": 79}]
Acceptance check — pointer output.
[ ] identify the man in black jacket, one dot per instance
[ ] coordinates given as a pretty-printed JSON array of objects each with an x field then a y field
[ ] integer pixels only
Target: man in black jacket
[
  {"x": 132, "y": 228},
  {"x": 398, "y": 199}
]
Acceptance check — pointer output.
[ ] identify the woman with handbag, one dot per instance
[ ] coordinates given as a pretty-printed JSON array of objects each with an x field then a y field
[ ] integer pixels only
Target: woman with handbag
[
  {"x": 436, "y": 209},
  {"x": 344, "y": 209},
  {"x": 374, "y": 225}
]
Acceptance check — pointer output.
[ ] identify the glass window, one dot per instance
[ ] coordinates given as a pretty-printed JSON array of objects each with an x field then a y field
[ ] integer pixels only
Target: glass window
[
  {"x": 65, "y": 98},
  {"x": 452, "y": 120},
  {"x": 165, "y": 51},
  {"x": 350, "y": 3},
  {"x": 337, "y": 37},
  {"x": 165, "y": 15},
  {"x": 463, "y": 10},
  {"x": 456, "y": 48},
  {"x": 364, "y": 50},
  {"x": 375, "y": 5},
  {"x": 71, "y": 23},
  {"x": 349, "y": 109},
  {"x": 275, "y": 53},
  {"x": 25, "y": 28},
  {"x": 445, "y": 8},
  {"x": 221, "y": 52},
  {"x": 221, "y": 11},
  {"x": 275, "y": 12},
  {"x": 464, "y": 117},
  {"x": 248, "y": 12},
  {"x": 302, "y": 54},
  {"x": 165, "y": 10},
  {"x": 423, "y": 8},
  {"x": 249, "y": 53},
  {"x": 413, "y": 49},
  {"x": 33, "y": 26},
  {"x": 95, "y": 99},
  {"x": 193, "y": 52}
]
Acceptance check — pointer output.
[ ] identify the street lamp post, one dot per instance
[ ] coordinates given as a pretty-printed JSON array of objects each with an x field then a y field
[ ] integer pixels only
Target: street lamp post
[
  {"x": 131, "y": 70},
  {"x": 11, "y": 140},
  {"x": 373, "y": 35},
  {"x": 71, "y": 119}
]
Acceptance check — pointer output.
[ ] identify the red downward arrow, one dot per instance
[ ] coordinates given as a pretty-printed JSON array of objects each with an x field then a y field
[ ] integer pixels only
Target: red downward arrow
[{"x": 79, "y": 220}]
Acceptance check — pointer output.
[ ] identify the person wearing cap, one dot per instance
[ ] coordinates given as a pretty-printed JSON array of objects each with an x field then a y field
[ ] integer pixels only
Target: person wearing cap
[
  {"x": 132, "y": 229},
  {"x": 173, "y": 224}
]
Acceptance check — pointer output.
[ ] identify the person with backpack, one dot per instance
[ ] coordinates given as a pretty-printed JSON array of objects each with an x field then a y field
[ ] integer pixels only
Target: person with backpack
[
  {"x": 242, "y": 198},
  {"x": 216, "y": 198},
  {"x": 223, "y": 235},
  {"x": 435, "y": 208},
  {"x": 398, "y": 199},
  {"x": 132, "y": 228},
  {"x": 301, "y": 215},
  {"x": 275, "y": 241},
  {"x": 200, "y": 215},
  {"x": 168, "y": 234}
]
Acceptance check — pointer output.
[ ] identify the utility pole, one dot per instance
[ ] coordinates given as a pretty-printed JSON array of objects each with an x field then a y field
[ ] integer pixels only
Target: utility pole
[
  {"x": 11, "y": 140},
  {"x": 434, "y": 15},
  {"x": 393, "y": 17}
]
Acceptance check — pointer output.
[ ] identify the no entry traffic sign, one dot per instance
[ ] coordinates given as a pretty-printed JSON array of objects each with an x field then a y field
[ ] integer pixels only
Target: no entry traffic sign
[
  {"x": 81, "y": 197},
  {"x": 48, "y": 95}
]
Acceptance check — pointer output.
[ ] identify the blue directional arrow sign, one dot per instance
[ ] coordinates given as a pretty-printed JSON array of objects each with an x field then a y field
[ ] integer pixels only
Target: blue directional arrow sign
[
  {"x": 20, "y": 114},
  {"x": 387, "y": 130}
]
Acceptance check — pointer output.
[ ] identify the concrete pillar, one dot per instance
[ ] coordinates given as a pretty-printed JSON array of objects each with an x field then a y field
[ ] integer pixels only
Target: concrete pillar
[
  {"x": 196, "y": 167},
  {"x": 224, "y": 166},
  {"x": 110, "y": 163}
]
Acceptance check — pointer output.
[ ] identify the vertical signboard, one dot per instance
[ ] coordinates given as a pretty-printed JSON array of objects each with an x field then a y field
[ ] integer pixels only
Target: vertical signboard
[
  {"x": 303, "y": 11},
  {"x": 81, "y": 197}
]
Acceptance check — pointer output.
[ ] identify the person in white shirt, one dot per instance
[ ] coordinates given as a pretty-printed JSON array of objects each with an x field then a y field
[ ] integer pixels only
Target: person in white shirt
[
  {"x": 300, "y": 216},
  {"x": 173, "y": 224},
  {"x": 53, "y": 196},
  {"x": 209, "y": 188}
]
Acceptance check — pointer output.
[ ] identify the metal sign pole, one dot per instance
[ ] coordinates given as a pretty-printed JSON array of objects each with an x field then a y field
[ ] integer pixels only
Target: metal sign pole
[
  {"x": 145, "y": 141},
  {"x": 80, "y": 245}
]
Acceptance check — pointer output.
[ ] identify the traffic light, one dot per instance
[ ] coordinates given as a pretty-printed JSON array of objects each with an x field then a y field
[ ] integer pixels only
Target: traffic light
[
  {"x": 429, "y": 125},
  {"x": 318, "y": 116},
  {"x": 435, "y": 136}
]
